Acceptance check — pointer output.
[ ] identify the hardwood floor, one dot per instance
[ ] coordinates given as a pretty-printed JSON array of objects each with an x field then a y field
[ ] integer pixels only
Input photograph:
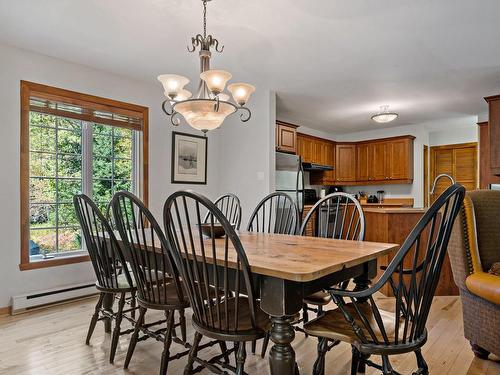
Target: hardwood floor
[{"x": 51, "y": 341}]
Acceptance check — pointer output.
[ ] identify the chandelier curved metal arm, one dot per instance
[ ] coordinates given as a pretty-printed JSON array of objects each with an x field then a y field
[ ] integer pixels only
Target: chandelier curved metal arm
[
  {"x": 175, "y": 118},
  {"x": 168, "y": 112},
  {"x": 245, "y": 115}
]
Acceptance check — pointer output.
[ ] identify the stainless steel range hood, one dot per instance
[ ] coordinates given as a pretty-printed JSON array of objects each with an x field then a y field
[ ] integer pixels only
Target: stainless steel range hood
[{"x": 316, "y": 167}]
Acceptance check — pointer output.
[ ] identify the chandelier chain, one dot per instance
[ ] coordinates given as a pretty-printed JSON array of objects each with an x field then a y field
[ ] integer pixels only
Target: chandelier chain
[{"x": 204, "y": 18}]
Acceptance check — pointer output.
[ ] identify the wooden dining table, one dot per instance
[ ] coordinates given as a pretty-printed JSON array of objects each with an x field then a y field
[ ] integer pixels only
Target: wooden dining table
[{"x": 286, "y": 268}]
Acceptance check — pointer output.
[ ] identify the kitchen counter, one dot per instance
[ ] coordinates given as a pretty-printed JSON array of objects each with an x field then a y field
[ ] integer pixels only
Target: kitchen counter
[{"x": 395, "y": 210}]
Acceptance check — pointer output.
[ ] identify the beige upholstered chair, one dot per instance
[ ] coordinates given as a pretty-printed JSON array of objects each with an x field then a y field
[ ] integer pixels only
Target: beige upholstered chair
[{"x": 474, "y": 248}]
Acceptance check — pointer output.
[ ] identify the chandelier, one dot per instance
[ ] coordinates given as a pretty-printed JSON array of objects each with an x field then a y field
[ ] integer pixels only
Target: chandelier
[{"x": 210, "y": 107}]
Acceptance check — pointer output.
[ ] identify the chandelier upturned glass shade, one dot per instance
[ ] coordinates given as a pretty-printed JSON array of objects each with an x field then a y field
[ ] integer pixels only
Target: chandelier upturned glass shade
[{"x": 210, "y": 106}]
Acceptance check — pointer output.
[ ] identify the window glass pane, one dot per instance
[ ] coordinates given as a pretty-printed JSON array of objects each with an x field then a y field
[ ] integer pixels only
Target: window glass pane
[
  {"x": 103, "y": 167},
  {"x": 42, "y": 216},
  {"x": 42, "y": 164},
  {"x": 102, "y": 190},
  {"x": 69, "y": 123},
  {"x": 70, "y": 239},
  {"x": 102, "y": 145},
  {"x": 69, "y": 142},
  {"x": 42, "y": 139},
  {"x": 42, "y": 241},
  {"x": 122, "y": 147},
  {"x": 122, "y": 132},
  {"x": 67, "y": 189},
  {"x": 70, "y": 166},
  {"x": 42, "y": 119},
  {"x": 67, "y": 215},
  {"x": 99, "y": 129},
  {"x": 123, "y": 169},
  {"x": 42, "y": 190},
  {"x": 123, "y": 185}
]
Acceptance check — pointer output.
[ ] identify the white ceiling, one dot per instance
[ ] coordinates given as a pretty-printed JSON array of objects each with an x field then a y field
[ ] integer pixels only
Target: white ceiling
[{"x": 332, "y": 63}]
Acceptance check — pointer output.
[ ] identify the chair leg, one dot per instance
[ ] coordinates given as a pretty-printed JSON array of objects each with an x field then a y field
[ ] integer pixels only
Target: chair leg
[
  {"x": 319, "y": 365},
  {"x": 362, "y": 363},
  {"x": 133, "y": 303},
  {"x": 320, "y": 311},
  {"x": 265, "y": 344},
  {"x": 240, "y": 358},
  {"x": 254, "y": 346},
  {"x": 223, "y": 349},
  {"x": 116, "y": 331},
  {"x": 355, "y": 362},
  {"x": 135, "y": 336},
  {"x": 165, "y": 355},
  {"x": 182, "y": 321},
  {"x": 193, "y": 353},
  {"x": 305, "y": 313},
  {"x": 422, "y": 365},
  {"x": 95, "y": 317},
  {"x": 386, "y": 366},
  {"x": 479, "y": 352}
]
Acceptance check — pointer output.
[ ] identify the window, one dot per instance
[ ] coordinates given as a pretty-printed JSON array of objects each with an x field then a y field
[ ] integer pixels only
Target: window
[{"x": 73, "y": 143}]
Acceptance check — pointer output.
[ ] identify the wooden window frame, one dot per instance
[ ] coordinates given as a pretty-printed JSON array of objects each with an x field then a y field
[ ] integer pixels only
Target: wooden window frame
[{"x": 30, "y": 89}]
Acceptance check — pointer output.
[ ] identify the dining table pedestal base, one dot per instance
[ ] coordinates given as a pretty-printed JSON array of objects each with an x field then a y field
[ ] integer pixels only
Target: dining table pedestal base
[{"x": 282, "y": 356}]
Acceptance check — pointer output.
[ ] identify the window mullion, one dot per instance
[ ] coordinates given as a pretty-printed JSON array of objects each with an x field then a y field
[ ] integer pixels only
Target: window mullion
[{"x": 87, "y": 158}]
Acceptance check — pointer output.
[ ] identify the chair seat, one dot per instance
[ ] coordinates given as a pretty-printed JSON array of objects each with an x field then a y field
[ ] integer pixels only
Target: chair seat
[
  {"x": 262, "y": 320},
  {"x": 334, "y": 326},
  {"x": 162, "y": 296},
  {"x": 319, "y": 298}
]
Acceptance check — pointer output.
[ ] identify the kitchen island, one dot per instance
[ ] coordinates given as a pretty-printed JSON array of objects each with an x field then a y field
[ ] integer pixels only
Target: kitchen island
[{"x": 393, "y": 224}]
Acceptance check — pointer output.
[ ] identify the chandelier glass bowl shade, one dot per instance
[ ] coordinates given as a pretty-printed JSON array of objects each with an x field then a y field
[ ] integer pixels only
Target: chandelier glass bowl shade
[
  {"x": 384, "y": 116},
  {"x": 210, "y": 106}
]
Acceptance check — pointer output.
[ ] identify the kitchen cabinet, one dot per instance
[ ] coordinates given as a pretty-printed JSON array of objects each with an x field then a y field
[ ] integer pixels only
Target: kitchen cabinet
[
  {"x": 385, "y": 161},
  {"x": 286, "y": 137},
  {"x": 326, "y": 157},
  {"x": 345, "y": 162},
  {"x": 485, "y": 176},
  {"x": 494, "y": 133}
]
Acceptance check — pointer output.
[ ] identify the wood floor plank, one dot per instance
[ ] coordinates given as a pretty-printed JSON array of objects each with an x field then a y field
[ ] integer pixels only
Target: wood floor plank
[{"x": 51, "y": 342}]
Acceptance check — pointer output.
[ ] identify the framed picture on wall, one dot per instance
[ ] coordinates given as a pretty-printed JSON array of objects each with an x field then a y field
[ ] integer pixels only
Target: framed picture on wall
[{"x": 189, "y": 159}]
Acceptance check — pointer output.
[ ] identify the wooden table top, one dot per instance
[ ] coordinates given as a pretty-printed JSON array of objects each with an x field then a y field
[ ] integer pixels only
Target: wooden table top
[{"x": 298, "y": 258}]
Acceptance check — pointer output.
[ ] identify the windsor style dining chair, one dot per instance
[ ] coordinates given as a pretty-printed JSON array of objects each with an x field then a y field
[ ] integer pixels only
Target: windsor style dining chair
[
  {"x": 158, "y": 284},
  {"x": 110, "y": 268},
  {"x": 277, "y": 213},
  {"x": 234, "y": 315},
  {"x": 338, "y": 216},
  {"x": 413, "y": 275},
  {"x": 229, "y": 204}
]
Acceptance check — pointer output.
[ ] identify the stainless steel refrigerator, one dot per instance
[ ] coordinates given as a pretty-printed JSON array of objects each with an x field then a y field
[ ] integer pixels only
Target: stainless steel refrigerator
[{"x": 290, "y": 177}]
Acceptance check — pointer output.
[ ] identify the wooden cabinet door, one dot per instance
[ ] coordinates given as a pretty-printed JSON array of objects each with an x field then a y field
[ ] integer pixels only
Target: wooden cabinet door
[
  {"x": 286, "y": 140},
  {"x": 379, "y": 156},
  {"x": 494, "y": 134},
  {"x": 304, "y": 148},
  {"x": 329, "y": 153},
  {"x": 400, "y": 159},
  {"x": 363, "y": 162},
  {"x": 345, "y": 159}
]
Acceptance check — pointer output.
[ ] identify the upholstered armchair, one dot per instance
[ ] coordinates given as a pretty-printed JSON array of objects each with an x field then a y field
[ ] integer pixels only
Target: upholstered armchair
[{"x": 474, "y": 248}]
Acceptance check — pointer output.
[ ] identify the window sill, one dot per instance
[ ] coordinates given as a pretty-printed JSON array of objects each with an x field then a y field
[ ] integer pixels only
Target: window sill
[{"x": 53, "y": 262}]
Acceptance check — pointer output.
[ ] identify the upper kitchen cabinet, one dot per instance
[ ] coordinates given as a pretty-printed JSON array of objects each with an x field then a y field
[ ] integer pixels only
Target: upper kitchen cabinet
[
  {"x": 494, "y": 133},
  {"x": 345, "y": 162},
  {"x": 286, "y": 137},
  {"x": 385, "y": 161}
]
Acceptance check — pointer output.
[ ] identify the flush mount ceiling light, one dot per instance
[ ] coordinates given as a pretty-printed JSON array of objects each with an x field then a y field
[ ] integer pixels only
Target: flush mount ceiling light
[
  {"x": 384, "y": 115},
  {"x": 211, "y": 106}
]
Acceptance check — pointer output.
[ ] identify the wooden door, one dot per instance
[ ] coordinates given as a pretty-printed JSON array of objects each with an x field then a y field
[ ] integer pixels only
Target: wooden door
[
  {"x": 378, "y": 166},
  {"x": 363, "y": 162},
  {"x": 399, "y": 160},
  {"x": 485, "y": 176},
  {"x": 345, "y": 159},
  {"x": 459, "y": 161},
  {"x": 286, "y": 138}
]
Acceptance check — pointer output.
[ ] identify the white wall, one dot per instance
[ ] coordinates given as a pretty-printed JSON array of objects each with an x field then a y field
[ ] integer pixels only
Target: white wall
[
  {"x": 16, "y": 65},
  {"x": 448, "y": 137},
  {"x": 247, "y": 163}
]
